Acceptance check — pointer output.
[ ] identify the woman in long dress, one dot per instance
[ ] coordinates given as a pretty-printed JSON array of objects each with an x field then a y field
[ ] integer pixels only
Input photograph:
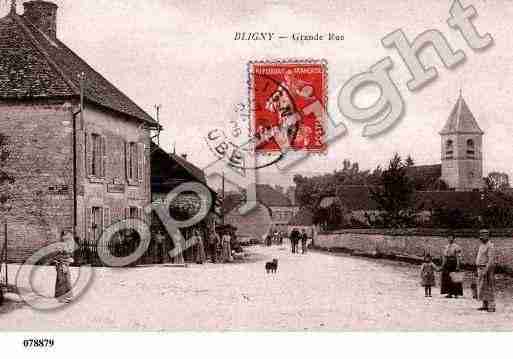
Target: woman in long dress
[
  {"x": 62, "y": 261},
  {"x": 226, "y": 249},
  {"x": 451, "y": 262}
]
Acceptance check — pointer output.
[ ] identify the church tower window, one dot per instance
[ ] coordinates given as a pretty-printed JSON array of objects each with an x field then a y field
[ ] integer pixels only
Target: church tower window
[
  {"x": 471, "y": 149},
  {"x": 449, "y": 149}
]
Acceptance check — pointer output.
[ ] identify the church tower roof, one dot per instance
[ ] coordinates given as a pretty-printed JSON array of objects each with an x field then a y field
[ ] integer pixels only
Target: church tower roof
[{"x": 461, "y": 120}]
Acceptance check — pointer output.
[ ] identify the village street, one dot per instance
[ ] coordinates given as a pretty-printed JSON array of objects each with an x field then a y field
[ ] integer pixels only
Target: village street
[{"x": 315, "y": 292}]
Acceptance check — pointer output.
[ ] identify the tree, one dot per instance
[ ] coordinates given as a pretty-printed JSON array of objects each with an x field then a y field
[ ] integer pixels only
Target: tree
[
  {"x": 6, "y": 180},
  {"x": 409, "y": 162},
  {"x": 395, "y": 195},
  {"x": 497, "y": 181},
  {"x": 310, "y": 190}
]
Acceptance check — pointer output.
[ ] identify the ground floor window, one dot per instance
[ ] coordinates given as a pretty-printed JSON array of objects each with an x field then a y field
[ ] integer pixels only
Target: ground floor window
[{"x": 133, "y": 212}]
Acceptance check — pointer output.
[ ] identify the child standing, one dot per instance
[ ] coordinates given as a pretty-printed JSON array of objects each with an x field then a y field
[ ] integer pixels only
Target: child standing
[{"x": 427, "y": 274}]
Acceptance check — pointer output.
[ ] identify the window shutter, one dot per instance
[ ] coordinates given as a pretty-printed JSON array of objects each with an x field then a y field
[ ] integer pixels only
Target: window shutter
[
  {"x": 127, "y": 213},
  {"x": 127, "y": 161},
  {"x": 87, "y": 153},
  {"x": 101, "y": 225},
  {"x": 104, "y": 157},
  {"x": 88, "y": 223},
  {"x": 140, "y": 162},
  {"x": 106, "y": 217}
]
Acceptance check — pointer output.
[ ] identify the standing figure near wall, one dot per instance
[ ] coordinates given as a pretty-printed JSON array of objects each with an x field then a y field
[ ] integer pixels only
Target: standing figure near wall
[
  {"x": 62, "y": 261},
  {"x": 485, "y": 263},
  {"x": 451, "y": 263}
]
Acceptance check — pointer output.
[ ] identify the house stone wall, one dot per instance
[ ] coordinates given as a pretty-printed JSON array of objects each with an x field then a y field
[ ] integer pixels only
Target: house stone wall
[
  {"x": 113, "y": 192},
  {"x": 40, "y": 137},
  {"x": 41, "y": 161}
]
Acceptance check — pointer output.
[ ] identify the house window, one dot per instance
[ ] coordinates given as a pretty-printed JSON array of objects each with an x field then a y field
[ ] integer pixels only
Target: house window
[
  {"x": 134, "y": 162},
  {"x": 449, "y": 149},
  {"x": 97, "y": 152},
  {"x": 96, "y": 156},
  {"x": 471, "y": 151},
  {"x": 134, "y": 212},
  {"x": 96, "y": 222}
]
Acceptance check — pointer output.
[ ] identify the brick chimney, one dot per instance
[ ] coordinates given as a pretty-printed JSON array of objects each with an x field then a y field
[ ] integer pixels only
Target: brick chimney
[{"x": 43, "y": 15}]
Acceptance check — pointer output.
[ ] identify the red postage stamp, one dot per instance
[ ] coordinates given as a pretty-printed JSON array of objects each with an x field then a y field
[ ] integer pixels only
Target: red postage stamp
[{"x": 288, "y": 100}]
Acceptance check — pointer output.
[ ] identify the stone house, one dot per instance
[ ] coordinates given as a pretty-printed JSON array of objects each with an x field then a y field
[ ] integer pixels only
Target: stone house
[{"x": 79, "y": 146}]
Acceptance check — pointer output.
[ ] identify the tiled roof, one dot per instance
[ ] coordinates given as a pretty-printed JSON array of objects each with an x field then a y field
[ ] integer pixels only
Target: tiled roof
[
  {"x": 461, "y": 120},
  {"x": 353, "y": 198},
  {"x": 34, "y": 66},
  {"x": 189, "y": 167},
  {"x": 165, "y": 164},
  {"x": 424, "y": 172}
]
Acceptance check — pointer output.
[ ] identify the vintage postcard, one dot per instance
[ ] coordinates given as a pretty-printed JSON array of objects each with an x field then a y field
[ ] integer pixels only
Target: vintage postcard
[{"x": 255, "y": 166}]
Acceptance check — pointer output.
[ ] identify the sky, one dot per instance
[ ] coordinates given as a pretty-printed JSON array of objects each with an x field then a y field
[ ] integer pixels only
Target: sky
[{"x": 182, "y": 55}]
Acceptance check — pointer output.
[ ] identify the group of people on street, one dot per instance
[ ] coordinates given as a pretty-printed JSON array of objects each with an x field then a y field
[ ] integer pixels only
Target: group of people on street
[
  {"x": 275, "y": 237},
  {"x": 296, "y": 237},
  {"x": 483, "y": 283},
  {"x": 217, "y": 248},
  {"x": 220, "y": 247}
]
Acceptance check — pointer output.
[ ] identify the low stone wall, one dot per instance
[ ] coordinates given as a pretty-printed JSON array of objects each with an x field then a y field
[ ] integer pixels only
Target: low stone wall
[{"x": 387, "y": 243}]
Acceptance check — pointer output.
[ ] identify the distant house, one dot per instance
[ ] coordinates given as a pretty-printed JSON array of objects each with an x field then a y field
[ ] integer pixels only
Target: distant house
[
  {"x": 354, "y": 203},
  {"x": 427, "y": 177},
  {"x": 273, "y": 212},
  {"x": 78, "y": 165}
]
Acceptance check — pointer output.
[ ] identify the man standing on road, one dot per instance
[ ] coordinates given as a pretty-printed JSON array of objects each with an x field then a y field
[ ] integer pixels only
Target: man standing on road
[
  {"x": 294, "y": 239},
  {"x": 213, "y": 240},
  {"x": 304, "y": 240},
  {"x": 485, "y": 263}
]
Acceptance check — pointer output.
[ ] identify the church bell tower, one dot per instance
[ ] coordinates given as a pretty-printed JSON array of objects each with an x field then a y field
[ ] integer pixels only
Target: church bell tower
[{"x": 462, "y": 156}]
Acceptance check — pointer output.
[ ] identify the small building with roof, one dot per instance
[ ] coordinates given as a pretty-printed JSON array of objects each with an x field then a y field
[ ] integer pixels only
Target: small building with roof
[{"x": 168, "y": 172}]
